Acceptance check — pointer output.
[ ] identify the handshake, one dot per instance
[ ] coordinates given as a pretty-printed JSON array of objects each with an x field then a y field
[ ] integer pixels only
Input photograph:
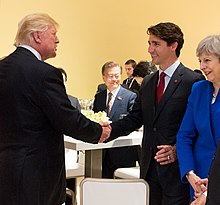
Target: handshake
[{"x": 106, "y": 131}]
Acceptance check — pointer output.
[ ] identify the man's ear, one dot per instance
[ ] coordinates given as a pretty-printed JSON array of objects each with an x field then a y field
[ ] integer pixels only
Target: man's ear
[
  {"x": 36, "y": 37},
  {"x": 174, "y": 46}
]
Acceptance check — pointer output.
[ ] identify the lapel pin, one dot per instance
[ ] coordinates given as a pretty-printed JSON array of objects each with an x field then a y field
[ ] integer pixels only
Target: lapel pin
[
  {"x": 119, "y": 98},
  {"x": 175, "y": 81}
]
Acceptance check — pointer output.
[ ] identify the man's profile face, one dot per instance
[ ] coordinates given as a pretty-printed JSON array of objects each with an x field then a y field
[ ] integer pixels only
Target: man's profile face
[
  {"x": 159, "y": 50},
  {"x": 48, "y": 43}
]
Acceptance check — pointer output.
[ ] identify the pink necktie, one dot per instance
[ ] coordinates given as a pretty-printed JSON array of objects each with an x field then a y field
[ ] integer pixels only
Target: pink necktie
[{"x": 160, "y": 87}]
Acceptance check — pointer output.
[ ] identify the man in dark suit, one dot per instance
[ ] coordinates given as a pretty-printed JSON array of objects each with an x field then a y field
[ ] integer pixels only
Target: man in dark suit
[
  {"x": 121, "y": 102},
  {"x": 35, "y": 112},
  {"x": 160, "y": 107}
]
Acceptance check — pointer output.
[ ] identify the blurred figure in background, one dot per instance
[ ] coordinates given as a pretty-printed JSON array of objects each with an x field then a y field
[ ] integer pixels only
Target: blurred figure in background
[
  {"x": 117, "y": 102},
  {"x": 130, "y": 82},
  {"x": 74, "y": 101},
  {"x": 101, "y": 87},
  {"x": 70, "y": 183},
  {"x": 198, "y": 71},
  {"x": 142, "y": 69}
]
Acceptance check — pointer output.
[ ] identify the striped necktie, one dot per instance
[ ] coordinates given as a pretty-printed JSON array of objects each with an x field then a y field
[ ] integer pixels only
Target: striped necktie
[{"x": 108, "y": 106}]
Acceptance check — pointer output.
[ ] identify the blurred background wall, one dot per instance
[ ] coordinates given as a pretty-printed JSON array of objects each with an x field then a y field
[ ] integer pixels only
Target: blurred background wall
[{"x": 93, "y": 32}]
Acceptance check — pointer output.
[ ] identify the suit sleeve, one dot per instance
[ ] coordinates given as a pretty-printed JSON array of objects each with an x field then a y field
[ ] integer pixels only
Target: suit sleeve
[
  {"x": 131, "y": 102},
  {"x": 186, "y": 137},
  {"x": 61, "y": 114}
]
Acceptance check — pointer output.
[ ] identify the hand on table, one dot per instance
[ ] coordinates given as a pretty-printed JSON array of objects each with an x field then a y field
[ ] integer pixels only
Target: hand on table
[
  {"x": 106, "y": 131},
  {"x": 166, "y": 154}
]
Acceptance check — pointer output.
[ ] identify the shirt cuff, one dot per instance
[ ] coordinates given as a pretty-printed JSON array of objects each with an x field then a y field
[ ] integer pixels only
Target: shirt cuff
[{"x": 205, "y": 193}]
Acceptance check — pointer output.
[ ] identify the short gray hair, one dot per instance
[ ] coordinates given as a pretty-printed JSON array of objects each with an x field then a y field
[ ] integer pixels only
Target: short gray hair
[
  {"x": 31, "y": 23},
  {"x": 110, "y": 64},
  {"x": 209, "y": 45}
]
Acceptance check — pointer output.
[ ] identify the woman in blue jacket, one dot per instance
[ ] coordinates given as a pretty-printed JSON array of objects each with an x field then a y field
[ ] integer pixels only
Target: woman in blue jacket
[{"x": 199, "y": 133}]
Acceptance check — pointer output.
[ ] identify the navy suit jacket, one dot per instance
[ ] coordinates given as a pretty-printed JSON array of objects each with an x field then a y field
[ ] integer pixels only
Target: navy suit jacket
[
  {"x": 161, "y": 121},
  {"x": 121, "y": 106},
  {"x": 35, "y": 112}
]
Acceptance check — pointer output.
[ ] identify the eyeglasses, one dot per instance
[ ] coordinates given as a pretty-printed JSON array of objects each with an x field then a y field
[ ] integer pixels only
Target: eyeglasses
[{"x": 111, "y": 77}]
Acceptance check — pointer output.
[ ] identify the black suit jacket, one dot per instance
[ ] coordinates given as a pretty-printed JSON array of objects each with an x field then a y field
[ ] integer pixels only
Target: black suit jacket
[
  {"x": 161, "y": 121},
  {"x": 133, "y": 87},
  {"x": 34, "y": 113},
  {"x": 213, "y": 197}
]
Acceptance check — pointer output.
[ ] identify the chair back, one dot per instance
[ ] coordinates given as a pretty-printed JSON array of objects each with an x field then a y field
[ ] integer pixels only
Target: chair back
[{"x": 114, "y": 191}]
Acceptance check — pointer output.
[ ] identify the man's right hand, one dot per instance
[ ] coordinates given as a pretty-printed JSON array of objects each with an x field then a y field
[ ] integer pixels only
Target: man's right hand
[{"x": 106, "y": 131}]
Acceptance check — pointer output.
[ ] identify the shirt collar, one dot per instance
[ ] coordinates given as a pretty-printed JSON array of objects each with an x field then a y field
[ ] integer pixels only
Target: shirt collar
[
  {"x": 32, "y": 50},
  {"x": 170, "y": 70},
  {"x": 114, "y": 92}
]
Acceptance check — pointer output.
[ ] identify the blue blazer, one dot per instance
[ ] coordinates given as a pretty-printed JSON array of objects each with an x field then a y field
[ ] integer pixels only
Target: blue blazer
[
  {"x": 199, "y": 132},
  {"x": 125, "y": 156}
]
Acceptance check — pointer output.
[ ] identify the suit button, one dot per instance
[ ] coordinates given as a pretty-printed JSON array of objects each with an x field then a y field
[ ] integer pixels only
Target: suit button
[{"x": 154, "y": 129}]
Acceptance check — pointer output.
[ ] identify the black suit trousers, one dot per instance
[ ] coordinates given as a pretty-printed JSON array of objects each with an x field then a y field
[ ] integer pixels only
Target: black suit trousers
[{"x": 163, "y": 189}]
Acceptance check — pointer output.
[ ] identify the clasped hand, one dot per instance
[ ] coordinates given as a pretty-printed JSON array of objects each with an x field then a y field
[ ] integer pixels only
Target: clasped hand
[
  {"x": 200, "y": 188},
  {"x": 106, "y": 131},
  {"x": 166, "y": 154}
]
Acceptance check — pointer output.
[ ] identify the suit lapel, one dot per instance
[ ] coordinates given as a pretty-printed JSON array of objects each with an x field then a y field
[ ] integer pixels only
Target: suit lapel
[
  {"x": 171, "y": 87},
  {"x": 117, "y": 101},
  {"x": 206, "y": 116},
  {"x": 148, "y": 95}
]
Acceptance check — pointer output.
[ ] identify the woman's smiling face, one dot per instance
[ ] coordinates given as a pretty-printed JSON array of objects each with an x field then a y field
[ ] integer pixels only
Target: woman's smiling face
[{"x": 210, "y": 65}]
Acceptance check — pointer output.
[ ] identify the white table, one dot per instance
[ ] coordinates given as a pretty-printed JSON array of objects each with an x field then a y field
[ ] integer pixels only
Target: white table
[{"x": 93, "y": 152}]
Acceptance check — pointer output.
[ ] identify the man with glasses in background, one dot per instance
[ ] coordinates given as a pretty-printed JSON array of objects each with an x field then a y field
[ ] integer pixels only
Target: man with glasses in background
[{"x": 117, "y": 102}]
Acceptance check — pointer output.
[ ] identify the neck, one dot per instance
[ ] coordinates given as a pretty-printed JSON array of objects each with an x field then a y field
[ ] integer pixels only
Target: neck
[
  {"x": 168, "y": 63},
  {"x": 216, "y": 89}
]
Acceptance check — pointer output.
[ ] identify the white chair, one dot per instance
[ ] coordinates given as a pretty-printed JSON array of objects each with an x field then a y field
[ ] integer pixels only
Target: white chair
[
  {"x": 127, "y": 173},
  {"x": 74, "y": 169},
  {"x": 114, "y": 191}
]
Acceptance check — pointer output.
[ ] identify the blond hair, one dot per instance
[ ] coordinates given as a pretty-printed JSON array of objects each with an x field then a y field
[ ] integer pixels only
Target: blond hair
[{"x": 32, "y": 23}]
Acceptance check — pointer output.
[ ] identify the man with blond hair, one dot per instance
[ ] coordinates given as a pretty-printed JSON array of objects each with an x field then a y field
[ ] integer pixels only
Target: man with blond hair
[{"x": 35, "y": 113}]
